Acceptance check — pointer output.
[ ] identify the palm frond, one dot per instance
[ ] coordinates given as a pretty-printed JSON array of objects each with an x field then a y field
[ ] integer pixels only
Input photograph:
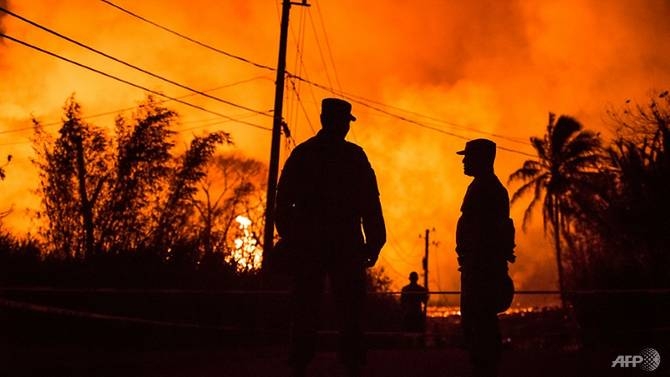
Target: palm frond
[
  {"x": 563, "y": 131},
  {"x": 540, "y": 147},
  {"x": 524, "y": 174},
  {"x": 524, "y": 189},
  {"x": 527, "y": 215},
  {"x": 581, "y": 144}
]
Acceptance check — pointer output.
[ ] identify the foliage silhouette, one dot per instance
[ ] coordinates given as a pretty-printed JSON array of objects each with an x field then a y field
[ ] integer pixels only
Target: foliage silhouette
[
  {"x": 132, "y": 194},
  {"x": 561, "y": 178}
]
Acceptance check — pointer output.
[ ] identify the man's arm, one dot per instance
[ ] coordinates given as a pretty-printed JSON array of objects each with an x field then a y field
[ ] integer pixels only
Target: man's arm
[
  {"x": 286, "y": 195},
  {"x": 372, "y": 216}
]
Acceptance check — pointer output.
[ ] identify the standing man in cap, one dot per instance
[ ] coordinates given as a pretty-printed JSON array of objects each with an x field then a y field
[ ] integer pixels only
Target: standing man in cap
[
  {"x": 484, "y": 247},
  {"x": 329, "y": 216}
]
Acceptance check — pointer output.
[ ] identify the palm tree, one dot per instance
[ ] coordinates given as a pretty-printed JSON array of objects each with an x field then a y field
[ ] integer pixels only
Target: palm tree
[{"x": 563, "y": 178}]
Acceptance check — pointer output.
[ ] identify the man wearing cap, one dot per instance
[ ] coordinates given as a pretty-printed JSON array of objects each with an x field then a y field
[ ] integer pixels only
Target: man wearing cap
[
  {"x": 483, "y": 251},
  {"x": 329, "y": 216}
]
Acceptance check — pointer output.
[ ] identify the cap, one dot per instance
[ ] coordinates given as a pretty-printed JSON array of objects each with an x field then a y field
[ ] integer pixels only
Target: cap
[
  {"x": 479, "y": 147},
  {"x": 336, "y": 107}
]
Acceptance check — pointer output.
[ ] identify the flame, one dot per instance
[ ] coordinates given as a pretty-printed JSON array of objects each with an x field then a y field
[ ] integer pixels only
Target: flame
[{"x": 247, "y": 254}]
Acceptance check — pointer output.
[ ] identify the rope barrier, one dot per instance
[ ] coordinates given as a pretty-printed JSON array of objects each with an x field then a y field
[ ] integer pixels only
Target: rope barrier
[
  {"x": 51, "y": 310},
  {"x": 286, "y": 292},
  {"x": 24, "y": 306}
]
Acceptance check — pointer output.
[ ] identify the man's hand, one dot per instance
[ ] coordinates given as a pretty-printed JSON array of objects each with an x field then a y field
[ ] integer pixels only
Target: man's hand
[
  {"x": 369, "y": 256},
  {"x": 370, "y": 261}
]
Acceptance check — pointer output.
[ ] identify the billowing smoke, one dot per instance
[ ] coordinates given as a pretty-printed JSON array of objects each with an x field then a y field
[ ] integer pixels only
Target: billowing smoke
[{"x": 485, "y": 68}]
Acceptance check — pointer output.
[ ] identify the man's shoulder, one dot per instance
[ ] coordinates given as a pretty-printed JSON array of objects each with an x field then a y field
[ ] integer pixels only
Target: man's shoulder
[
  {"x": 306, "y": 147},
  {"x": 488, "y": 183},
  {"x": 352, "y": 148},
  {"x": 315, "y": 146},
  {"x": 413, "y": 288}
]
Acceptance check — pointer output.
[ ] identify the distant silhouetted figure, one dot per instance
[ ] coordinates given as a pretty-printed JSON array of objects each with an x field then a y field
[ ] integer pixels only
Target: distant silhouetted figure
[
  {"x": 484, "y": 244},
  {"x": 329, "y": 216},
  {"x": 413, "y": 299}
]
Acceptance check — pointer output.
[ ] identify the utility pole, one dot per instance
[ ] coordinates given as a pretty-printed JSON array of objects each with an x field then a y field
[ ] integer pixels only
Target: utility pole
[
  {"x": 273, "y": 171},
  {"x": 427, "y": 244},
  {"x": 426, "y": 238}
]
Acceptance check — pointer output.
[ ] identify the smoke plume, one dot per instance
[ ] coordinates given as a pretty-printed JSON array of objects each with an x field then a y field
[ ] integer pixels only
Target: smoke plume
[{"x": 482, "y": 68}]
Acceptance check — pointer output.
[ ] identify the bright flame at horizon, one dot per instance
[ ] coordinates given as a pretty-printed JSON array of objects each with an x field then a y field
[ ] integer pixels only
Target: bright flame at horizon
[{"x": 246, "y": 255}]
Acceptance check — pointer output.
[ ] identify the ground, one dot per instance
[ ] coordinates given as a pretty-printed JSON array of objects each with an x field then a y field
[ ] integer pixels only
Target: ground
[{"x": 264, "y": 361}]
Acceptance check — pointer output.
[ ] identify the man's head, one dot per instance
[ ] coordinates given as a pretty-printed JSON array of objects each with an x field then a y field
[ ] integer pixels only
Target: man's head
[
  {"x": 413, "y": 277},
  {"x": 336, "y": 116},
  {"x": 478, "y": 157}
]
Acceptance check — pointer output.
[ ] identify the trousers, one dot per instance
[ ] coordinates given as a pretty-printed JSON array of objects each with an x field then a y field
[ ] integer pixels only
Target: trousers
[
  {"x": 348, "y": 284},
  {"x": 480, "y": 324}
]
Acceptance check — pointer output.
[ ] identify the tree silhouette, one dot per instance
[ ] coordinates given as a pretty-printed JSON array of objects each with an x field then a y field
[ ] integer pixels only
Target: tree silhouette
[
  {"x": 562, "y": 178},
  {"x": 173, "y": 216},
  {"x": 143, "y": 162},
  {"x": 4, "y": 213},
  {"x": 73, "y": 172},
  {"x": 638, "y": 214},
  {"x": 235, "y": 185}
]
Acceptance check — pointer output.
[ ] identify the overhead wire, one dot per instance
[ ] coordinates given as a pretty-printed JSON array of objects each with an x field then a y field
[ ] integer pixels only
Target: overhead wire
[
  {"x": 208, "y": 123},
  {"x": 328, "y": 49},
  {"x": 403, "y": 118},
  {"x": 118, "y": 111},
  {"x": 202, "y": 44},
  {"x": 120, "y": 61},
  {"x": 318, "y": 45},
  {"x": 213, "y": 122},
  {"x": 352, "y": 98},
  {"x": 389, "y": 265},
  {"x": 330, "y": 54},
  {"x": 302, "y": 106},
  {"x": 119, "y": 79},
  {"x": 300, "y": 68},
  {"x": 437, "y": 120},
  {"x": 289, "y": 86}
]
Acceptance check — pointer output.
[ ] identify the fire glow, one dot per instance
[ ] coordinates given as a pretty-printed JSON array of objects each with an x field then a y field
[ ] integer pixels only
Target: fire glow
[
  {"x": 246, "y": 255},
  {"x": 494, "y": 69}
]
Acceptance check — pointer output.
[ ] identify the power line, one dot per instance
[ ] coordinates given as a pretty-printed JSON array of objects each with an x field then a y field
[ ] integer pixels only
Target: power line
[
  {"x": 294, "y": 104},
  {"x": 302, "y": 70},
  {"x": 350, "y": 97},
  {"x": 318, "y": 45},
  {"x": 302, "y": 106},
  {"x": 400, "y": 117},
  {"x": 202, "y": 44},
  {"x": 108, "y": 56},
  {"x": 208, "y": 123},
  {"x": 328, "y": 49},
  {"x": 446, "y": 122},
  {"x": 129, "y": 83},
  {"x": 115, "y": 112},
  {"x": 212, "y": 123}
]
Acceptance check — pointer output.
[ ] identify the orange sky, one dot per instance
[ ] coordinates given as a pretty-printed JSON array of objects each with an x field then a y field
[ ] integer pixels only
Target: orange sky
[{"x": 498, "y": 67}]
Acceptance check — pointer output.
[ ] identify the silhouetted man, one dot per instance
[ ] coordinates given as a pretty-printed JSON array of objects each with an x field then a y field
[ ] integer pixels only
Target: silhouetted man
[
  {"x": 483, "y": 248},
  {"x": 329, "y": 216},
  {"x": 413, "y": 299}
]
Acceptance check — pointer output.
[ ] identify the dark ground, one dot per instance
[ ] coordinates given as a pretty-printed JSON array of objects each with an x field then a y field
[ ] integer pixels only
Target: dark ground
[
  {"x": 72, "y": 343},
  {"x": 264, "y": 361}
]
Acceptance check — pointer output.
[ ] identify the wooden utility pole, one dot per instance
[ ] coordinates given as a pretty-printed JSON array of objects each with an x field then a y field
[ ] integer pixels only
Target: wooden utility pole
[
  {"x": 273, "y": 171},
  {"x": 426, "y": 238}
]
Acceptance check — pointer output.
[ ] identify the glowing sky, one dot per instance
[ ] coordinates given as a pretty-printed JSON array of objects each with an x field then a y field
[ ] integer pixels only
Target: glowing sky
[{"x": 497, "y": 67}]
